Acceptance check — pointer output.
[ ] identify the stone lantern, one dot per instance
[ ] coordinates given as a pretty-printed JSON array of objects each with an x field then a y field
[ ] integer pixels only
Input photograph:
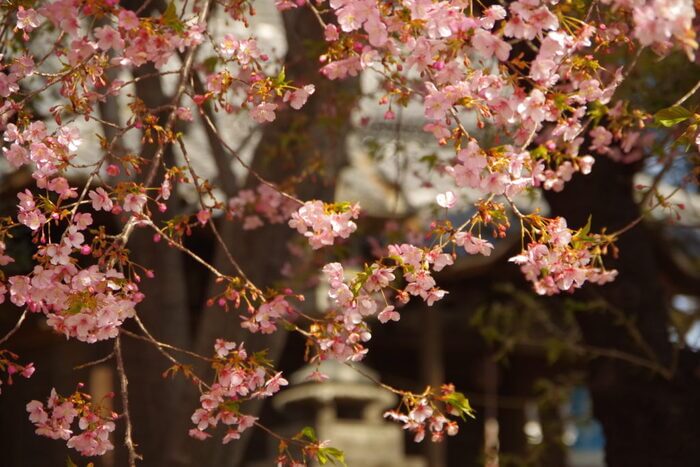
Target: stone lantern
[{"x": 347, "y": 409}]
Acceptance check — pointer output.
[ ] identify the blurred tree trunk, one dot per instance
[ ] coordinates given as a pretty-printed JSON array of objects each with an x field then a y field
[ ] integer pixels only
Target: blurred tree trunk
[
  {"x": 289, "y": 145},
  {"x": 164, "y": 312},
  {"x": 647, "y": 420}
]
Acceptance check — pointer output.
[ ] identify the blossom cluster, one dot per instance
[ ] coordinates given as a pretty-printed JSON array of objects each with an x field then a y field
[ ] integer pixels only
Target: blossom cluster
[
  {"x": 55, "y": 419},
  {"x": 4, "y": 261},
  {"x": 264, "y": 318},
  {"x": 88, "y": 304},
  {"x": 49, "y": 153},
  {"x": 322, "y": 223},
  {"x": 473, "y": 245},
  {"x": 9, "y": 365},
  {"x": 621, "y": 143},
  {"x": 455, "y": 54},
  {"x": 344, "y": 330},
  {"x": 134, "y": 41},
  {"x": 661, "y": 23},
  {"x": 562, "y": 260},
  {"x": 239, "y": 377},
  {"x": 244, "y": 83},
  {"x": 264, "y": 204},
  {"x": 429, "y": 413},
  {"x": 457, "y": 59}
]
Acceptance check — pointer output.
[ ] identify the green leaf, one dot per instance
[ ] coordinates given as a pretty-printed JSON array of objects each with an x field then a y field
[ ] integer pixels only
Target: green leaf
[
  {"x": 281, "y": 76},
  {"x": 540, "y": 152},
  {"x": 335, "y": 455},
  {"x": 171, "y": 19},
  {"x": 210, "y": 63},
  {"x": 261, "y": 358},
  {"x": 231, "y": 406},
  {"x": 671, "y": 116},
  {"x": 458, "y": 401},
  {"x": 70, "y": 463},
  {"x": 586, "y": 228},
  {"x": 74, "y": 308},
  {"x": 309, "y": 433},
  {"x": 597, "y": 112}
]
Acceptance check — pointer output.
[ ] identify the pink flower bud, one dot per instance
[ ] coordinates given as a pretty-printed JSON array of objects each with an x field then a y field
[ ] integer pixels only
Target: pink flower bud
[{"x": 28, "y": 370}]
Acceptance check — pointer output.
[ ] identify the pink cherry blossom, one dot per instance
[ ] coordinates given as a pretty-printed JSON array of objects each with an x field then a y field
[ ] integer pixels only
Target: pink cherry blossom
[
  {"x": 264, "y": 112},
  {"x": 473, "y": 245},
  {"x": 100, "y": 199}
]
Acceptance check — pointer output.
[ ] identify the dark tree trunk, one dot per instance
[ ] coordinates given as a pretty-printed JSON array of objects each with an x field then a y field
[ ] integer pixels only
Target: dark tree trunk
[
  {"x": 164, "y": 312},
  {"x": 289, "y": 146},
  {"x": 648, "y": 420}
]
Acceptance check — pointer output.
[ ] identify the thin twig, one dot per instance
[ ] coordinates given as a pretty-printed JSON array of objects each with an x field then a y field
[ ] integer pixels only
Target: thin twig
[
  {"x": 374, "y": 380},
  {"x": 688, "y": 95},
  {"x": 186, "y": 250},
  {"x": 592, "y": 351},
  {"x": 163, "y": 344},
  {"x": 245, "y": 165},
  {"x": 649, "y": 193},
  {"x": 124, "y": 383},
  {"x": 212, "y": 225},
  {"x": 95, "y": 362},
  {"x": 172, "y": 117},
  {"x": 16, "y": 328}
]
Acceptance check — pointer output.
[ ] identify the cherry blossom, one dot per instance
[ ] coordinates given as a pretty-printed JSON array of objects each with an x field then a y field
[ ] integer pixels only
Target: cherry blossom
[
  {"x": 322, "y": 223},
  {"x": 55, "y": 419},
  {"x": 556, "y": 263},
  {"x": 239, "y": 377},
  {"x": 460, "y": 64}
]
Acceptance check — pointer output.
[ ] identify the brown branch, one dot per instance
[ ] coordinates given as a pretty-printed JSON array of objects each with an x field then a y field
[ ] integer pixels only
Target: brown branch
[
  {"x": 584, "y": 350},
  {"x": 16, "y": 327},
  {"x": 163, "y": 345},
  {"x": 172, "y": 117},
  {"x": 245, "y": 165},
  {"x": 688, "y": 95},
  {"x": 160, "y": 346},
  {"x": 212, "y": 225},
  {"x": 186, "y": 250},
  {"x": 218, "y": 152},
  {"x": 124, "y": 383},
  {"x": 95, "y": 362}
]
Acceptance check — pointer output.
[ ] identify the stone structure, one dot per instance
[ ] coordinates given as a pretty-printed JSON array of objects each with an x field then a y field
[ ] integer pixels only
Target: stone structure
[{"x": 346, "y": 409}]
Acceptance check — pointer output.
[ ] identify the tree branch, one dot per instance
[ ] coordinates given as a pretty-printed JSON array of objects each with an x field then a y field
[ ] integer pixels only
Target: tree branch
[{"x": 124, "y": 383}]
